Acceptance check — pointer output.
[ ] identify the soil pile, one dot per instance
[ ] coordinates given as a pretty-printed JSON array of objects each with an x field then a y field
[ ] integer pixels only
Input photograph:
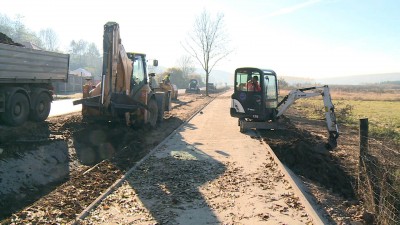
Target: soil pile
[
  {"x": 328, "y": 174},
  {"x": 6, "y": 40}
]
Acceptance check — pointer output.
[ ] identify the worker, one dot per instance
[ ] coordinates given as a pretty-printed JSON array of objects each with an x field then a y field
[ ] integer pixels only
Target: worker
[
  {"x": 253, "y": 85},
  {"x": 166, "y": 79},
  {"x": 153, "y": 82}
]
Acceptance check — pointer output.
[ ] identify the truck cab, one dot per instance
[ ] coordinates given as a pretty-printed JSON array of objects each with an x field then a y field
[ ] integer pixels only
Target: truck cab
[{"x": 256, "y": 104}]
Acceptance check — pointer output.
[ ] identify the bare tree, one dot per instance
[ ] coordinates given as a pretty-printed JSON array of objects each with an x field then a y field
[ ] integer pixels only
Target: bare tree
[
  {"x": 85, "y": 55},
  {"x": 49, "y": 39},
  {"x": 208, "y": 42},
  {"x": 185, "y": 64}
]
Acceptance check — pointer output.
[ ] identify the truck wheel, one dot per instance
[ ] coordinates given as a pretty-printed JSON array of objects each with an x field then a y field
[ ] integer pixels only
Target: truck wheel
[
  {"x": 241, "y": 127},
  {"x": 17, "y": 111},
  {"x": 152, "y": 115},
  {"x": 41, "y": 108}
]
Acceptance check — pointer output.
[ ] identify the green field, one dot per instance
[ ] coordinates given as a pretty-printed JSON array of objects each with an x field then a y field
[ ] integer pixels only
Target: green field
[{"x": 383, "y": 116}]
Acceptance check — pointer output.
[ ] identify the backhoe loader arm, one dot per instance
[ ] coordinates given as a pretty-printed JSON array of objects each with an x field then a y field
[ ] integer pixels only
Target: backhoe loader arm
[
  {"x": 330, "y": 117},
  {"x": 117, "y": 67}
]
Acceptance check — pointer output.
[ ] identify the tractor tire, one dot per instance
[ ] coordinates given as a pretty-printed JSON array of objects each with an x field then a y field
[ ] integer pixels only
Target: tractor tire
[
  {"x": 152, "y": 115},
  {"x": 17, "y": 111},
  {"x": 41, "y": 108}
]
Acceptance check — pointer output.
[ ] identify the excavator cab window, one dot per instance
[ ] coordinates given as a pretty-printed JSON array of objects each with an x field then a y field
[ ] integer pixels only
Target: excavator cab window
[
  {"x": 138, "y": 71},
  {"x": 241, "y": 80},
  {"x": 271, "y": 93},
  {"x": 248, "y": 82}
]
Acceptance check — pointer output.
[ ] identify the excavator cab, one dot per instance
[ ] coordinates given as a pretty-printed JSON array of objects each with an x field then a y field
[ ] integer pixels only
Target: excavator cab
[
  {"x": 255, "y": 97},
  {"x": 139, "y": 73}
]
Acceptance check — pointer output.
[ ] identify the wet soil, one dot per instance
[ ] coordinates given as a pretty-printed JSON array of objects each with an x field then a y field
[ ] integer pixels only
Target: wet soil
[{"x": 329, "y": 174}]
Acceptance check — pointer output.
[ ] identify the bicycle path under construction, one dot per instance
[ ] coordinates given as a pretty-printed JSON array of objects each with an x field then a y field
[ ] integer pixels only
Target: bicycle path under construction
[{"x": 207, "y": 172}]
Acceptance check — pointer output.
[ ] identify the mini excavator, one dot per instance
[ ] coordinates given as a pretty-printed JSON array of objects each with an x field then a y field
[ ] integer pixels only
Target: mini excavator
[{"x": 259, "y": 108}]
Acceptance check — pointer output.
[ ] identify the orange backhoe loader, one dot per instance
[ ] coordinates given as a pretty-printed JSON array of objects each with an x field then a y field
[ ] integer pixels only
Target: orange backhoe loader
[{"x": 124, "y": 92}]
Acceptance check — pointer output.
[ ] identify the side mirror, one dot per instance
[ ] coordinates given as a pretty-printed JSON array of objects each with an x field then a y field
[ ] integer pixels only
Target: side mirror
[{"x": 155, "y": 62}]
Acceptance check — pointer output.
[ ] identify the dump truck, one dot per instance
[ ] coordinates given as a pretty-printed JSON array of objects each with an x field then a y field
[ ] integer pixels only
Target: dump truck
[
  {"x": 124, "y": 94},
  {"x": 212, "y": 87},
  {"x": 26, "y": 77}
]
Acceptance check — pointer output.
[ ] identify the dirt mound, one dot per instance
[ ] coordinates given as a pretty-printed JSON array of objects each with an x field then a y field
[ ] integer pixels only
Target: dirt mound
[
  {"x": 306, "y": 155},
  {"x": 329, "y": 175},
  {"x": 6, "y": 40}
]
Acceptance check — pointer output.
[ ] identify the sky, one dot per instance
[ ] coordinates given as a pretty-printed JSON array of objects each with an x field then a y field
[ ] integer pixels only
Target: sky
[{"x": 300, "y": 38}]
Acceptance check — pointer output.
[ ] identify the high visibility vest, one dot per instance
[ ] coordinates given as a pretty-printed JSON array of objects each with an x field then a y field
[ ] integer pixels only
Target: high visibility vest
[{"x": 251, "y": 86}]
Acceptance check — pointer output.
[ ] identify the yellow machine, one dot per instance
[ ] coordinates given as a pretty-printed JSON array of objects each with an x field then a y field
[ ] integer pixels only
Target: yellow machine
[
  {"x": 168, "y": 87},
  {"x": 124, "y": 92}
]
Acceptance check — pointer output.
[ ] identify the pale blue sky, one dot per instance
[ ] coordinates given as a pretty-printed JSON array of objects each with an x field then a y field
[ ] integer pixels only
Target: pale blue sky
[{"x": 309, "y": 38}]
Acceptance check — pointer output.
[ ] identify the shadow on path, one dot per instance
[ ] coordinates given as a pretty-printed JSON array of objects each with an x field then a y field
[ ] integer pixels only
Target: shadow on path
[{"x": 168, "y": 183}]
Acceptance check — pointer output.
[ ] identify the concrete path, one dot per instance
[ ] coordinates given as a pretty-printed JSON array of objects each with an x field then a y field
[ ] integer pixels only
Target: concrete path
[
  {"x": 207, "y": 173},
  {"x": 61, "y": 107}
]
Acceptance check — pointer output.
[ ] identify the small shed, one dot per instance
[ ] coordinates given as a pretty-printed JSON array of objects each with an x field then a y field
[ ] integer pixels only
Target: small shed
[{"x": 81, "y": 73}]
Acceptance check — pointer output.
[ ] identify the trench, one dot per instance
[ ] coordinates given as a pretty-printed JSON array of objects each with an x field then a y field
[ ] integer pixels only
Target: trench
[
  {"x": 34, "y": 172},
  {"x": 305, "y": 154}
]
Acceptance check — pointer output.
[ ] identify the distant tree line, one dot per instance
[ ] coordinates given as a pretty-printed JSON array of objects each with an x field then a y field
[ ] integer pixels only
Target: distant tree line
[
  {"x": 391, "y": 82},
  {"x": 181, "y": 73},
  {"x": 16, "y": 30},
  {"x": 82, "y": 53},
  {"x": 87, "y": 55}
]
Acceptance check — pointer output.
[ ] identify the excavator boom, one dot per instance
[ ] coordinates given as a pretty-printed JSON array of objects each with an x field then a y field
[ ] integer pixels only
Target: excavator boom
[
  {"x": 117, "y": 67},
  {"x": 330, "y": 116}
]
